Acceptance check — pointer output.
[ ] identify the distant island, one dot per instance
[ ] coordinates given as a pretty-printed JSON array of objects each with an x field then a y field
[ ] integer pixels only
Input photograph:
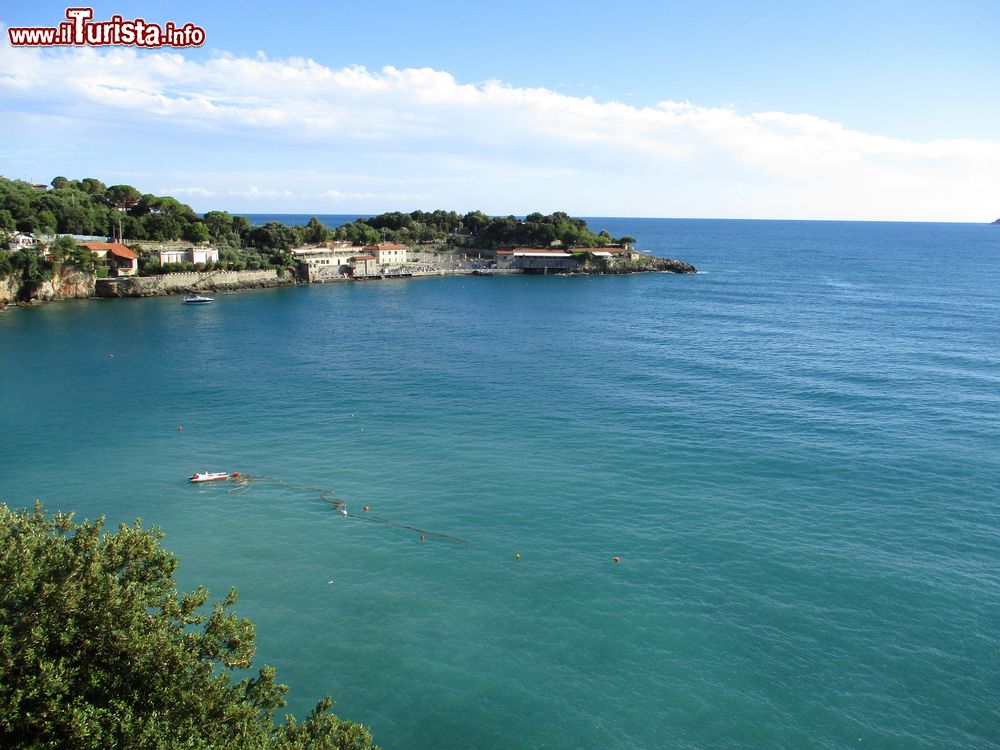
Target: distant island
[
  {"x": 997, "y": 221},
  {"x": 78, "y": 238}
]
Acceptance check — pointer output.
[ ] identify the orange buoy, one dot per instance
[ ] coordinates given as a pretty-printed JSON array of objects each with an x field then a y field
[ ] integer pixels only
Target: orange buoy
[
  {"x": 235, "y": 474},
  {"x": 365, "y": 508},
  {"x": 617, "y": 559}
]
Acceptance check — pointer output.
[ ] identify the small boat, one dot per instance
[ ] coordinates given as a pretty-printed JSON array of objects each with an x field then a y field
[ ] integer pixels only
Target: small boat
[
  {"x": 197, "y": 299},
  {"x": 208, "y": 476}
]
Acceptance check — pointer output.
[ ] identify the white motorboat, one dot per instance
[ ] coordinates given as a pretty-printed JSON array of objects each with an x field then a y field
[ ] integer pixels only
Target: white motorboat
[
  {"x": 208, "y": 476},
  {"x": 197, "y": 299}
]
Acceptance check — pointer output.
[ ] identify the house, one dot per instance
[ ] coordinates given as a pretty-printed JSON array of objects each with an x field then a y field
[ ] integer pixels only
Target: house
[
  {"x": 388, "y": 255},
  {"x": 190, "y": 255},
  {"x": 118, "y": 259}
]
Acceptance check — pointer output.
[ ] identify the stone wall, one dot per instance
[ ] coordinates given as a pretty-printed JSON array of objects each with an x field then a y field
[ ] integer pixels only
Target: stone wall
[{"x": 181, "y": 283}]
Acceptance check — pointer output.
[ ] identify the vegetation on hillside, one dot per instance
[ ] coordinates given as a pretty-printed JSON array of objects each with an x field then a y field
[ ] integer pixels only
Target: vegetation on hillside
[
  {"x": 89, "y": 207},
  {"x": 476, "y": 230},
  {"x": 98, "y": 649}
]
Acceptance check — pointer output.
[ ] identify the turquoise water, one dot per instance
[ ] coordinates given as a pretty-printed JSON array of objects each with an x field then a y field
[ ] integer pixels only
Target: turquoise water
[{"x": 794, "y": 455}]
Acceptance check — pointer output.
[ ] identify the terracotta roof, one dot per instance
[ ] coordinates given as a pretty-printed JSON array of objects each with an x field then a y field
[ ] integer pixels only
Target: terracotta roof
[
  {"x": 386, "y": 247},
  {"x": 363, "y": 257},
  {"x": 115, "y": 248}
]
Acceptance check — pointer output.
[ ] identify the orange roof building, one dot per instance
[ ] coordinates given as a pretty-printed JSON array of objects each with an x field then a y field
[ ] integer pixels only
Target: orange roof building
[{"x": 119, "y": 260}]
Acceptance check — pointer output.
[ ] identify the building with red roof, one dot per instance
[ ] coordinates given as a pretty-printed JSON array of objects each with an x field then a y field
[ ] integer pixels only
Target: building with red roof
[
  {"x": 388, "y": 254},
  {"x": 118, "y": 259}
]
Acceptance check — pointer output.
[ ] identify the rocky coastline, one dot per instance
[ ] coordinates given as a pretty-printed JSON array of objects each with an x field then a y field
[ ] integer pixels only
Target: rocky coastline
[{"x": 70, "y": 283}]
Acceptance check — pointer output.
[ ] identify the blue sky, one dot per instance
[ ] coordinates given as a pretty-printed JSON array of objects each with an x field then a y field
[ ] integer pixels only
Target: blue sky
[{"x": 841, "y": 110}]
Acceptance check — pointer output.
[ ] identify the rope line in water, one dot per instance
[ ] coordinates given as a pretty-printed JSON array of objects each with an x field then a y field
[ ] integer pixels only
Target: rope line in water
[{"x": 243, "y": 482}]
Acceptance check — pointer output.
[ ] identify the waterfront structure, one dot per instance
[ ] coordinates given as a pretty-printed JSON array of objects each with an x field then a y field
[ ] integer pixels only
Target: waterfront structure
[
  {"x": 557, "y": 260},
  {"x": 537, "y": 259},
  {"x": 364, "y": 265},
  {"x": 325, "y": 261}
]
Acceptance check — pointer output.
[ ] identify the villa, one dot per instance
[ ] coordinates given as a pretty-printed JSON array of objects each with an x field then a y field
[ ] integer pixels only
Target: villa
[{"x": 114, "y": 256}]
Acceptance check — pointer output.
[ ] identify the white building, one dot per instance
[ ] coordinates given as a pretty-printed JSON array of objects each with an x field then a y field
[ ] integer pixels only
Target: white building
[
  {"x": 190, "y": 255},
  {"x": 388, "y": 255},
  {"x": 19, "y": 241}
]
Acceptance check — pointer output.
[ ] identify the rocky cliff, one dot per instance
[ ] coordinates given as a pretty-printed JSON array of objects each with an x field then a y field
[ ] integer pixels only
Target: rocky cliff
[{"x": 68, "y": 282}]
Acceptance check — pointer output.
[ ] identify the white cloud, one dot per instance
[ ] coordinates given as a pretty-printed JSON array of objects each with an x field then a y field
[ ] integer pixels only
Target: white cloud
[{"x": 465, "y": 139}]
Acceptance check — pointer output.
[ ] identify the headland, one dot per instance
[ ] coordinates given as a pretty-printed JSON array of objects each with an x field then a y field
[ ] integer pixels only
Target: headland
[{"x": 81, "y": 238}]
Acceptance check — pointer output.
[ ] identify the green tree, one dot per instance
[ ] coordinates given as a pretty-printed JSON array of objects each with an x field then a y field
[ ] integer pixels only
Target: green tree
[
  {"x": 47, "y": 222},
  {"x": 92, "y": 186},
  {"x": 121, "y": 196},
  {"x": 219, "y": 223},
  {"x": 241, "y": 226},
  {"x": 64, "y": 247},
  {"x": 272, "y": 236},
  {"x": 315, "y": 232},
  {"x": 32, "y": 268},
  {"x": 81, "y": 257},
  {"x": 195, "y": 232},
  {"x": 98, "y": 649},
  {"x": 161, "y": 227}
]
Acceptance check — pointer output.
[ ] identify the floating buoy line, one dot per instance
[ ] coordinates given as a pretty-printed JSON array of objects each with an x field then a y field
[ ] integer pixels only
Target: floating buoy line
[{"x": 242, "y": 483}]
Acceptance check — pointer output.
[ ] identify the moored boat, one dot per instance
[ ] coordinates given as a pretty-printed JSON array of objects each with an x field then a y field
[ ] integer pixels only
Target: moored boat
[{"x": 197, "y": 299}]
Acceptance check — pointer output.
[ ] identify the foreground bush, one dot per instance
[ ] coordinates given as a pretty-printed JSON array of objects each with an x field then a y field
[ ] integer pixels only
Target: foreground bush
[{"x": 99, "y": 650}]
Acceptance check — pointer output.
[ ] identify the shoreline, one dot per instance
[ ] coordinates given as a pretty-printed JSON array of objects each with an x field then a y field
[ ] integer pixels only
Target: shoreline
[{"x": 72, "y": 284}]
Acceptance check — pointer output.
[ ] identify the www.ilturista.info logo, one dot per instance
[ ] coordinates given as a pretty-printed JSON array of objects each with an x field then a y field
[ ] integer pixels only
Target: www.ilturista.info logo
[{"x": 78, "y": 30}]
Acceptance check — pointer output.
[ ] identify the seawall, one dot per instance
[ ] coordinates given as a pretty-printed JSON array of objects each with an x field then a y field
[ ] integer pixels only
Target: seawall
[{"x": 182, "y": 283}]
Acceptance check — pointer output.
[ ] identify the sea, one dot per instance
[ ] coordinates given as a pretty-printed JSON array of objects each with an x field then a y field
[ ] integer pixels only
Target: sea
[{"x": 755, "y": 507}]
